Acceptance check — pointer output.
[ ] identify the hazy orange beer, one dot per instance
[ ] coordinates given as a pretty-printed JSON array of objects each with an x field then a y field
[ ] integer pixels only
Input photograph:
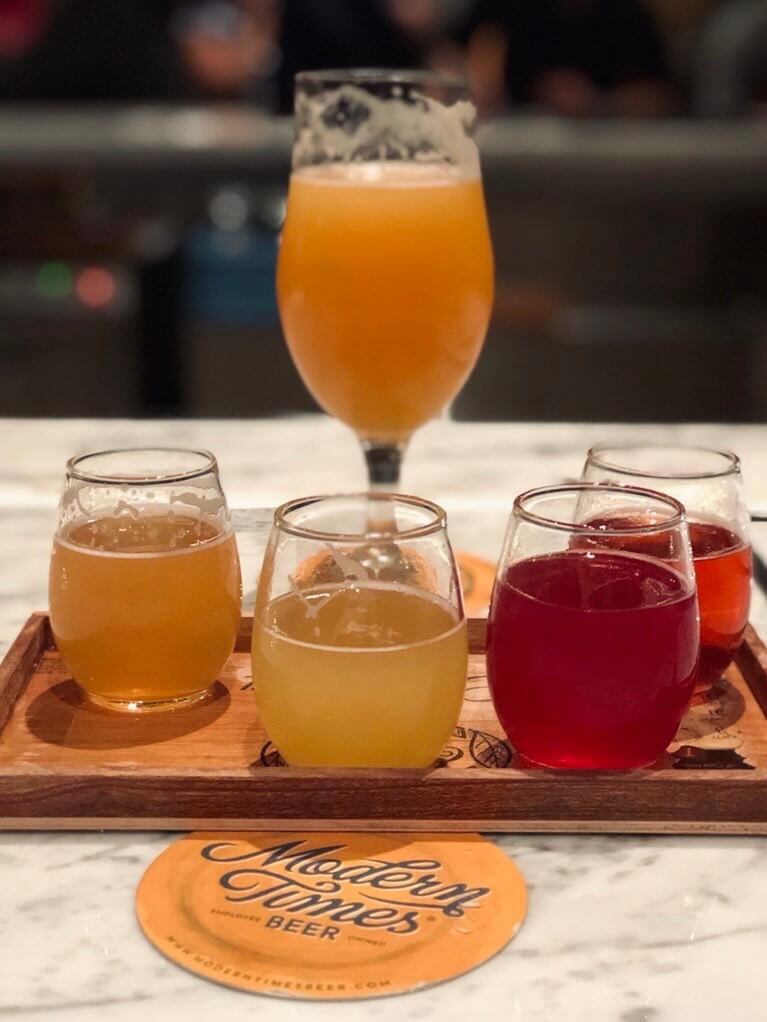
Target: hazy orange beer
[
  {"x": 385, "y": 283},
  {"x": 144, "y": 579}
]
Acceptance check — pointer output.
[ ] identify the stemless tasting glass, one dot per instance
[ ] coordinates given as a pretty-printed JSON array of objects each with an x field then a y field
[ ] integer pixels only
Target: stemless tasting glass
[
  {"x": 385, "y": 272},
  {"x": 709, "y": 484},
  {"x": 351, "y": 670},
  {"x": 592, "y": 646},
  {"x": 145, "y": 577}
]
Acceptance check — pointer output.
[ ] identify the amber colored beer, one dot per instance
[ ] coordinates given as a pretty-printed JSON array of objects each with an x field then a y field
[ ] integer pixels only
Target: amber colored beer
[
  {"x": 385, "y": 284},
  {"x": 145, "y": 609}
]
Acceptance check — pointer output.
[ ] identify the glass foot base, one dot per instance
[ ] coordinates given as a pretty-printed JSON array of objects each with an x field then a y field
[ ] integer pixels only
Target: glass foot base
[{"x": 143, "y": 706}]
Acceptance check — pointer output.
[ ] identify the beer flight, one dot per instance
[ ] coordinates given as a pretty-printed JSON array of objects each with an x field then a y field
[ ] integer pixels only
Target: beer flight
[
  {"x": 603, "y": 620},
  {"x": 614, "y": 598}
]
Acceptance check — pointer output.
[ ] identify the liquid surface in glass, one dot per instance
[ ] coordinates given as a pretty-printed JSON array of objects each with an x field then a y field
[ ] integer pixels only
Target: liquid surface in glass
[
  {"x": 385, "y": 284},
  {"x": 145, "y": 607},
  {"x": 591, "y": 658},
  {"x": 366, "y": 676}
]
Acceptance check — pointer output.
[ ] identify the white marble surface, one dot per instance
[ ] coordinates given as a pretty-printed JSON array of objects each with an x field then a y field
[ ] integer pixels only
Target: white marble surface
[{"x": 631, "y": 929}]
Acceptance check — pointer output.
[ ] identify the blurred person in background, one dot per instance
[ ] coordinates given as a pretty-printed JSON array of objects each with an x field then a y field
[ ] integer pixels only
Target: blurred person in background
[
  {"x": 578, "y": 58},
  {"x": 679, "y": 23},
  {"x": 366, "y": 34},
  {"x": 574, "y": 57},
  {"x": 211, "y": 49},
  {"x": 73, "y": 51},
  {"x": 21, "y": 23},
  {"x": 137, "y": 50},
  {"x": 229, "y": 48},
  {"x": 731, "y": 67}
]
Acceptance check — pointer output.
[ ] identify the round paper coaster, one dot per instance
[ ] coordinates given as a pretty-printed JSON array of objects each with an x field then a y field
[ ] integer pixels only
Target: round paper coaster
[{"x": 330, "y": 916}]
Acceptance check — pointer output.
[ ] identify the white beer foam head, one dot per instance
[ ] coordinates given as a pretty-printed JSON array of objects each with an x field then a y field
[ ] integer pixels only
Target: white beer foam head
[{"x": 348, "y": 124}]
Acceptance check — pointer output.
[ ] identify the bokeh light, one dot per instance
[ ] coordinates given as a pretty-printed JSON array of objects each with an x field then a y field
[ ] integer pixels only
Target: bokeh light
[
  {"x": 54, "y": 280},
  {"x": 95, "y": 287}
]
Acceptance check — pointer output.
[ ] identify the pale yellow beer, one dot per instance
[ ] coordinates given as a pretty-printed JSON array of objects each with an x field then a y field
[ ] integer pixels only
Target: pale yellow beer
[{"x": 363, "y": 675}]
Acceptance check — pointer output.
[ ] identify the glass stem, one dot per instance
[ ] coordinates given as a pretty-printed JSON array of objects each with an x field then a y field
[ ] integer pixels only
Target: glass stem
[
  {"x": 384, "y": 463},
  {"x": 383, "y": 557}
]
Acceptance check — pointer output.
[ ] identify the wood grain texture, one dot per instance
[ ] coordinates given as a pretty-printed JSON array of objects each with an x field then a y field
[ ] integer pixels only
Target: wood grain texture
[
  {"x": 19, "y": 662},
  {"x": 65, "y": 764},
  {"x": 752, "y": 662},
  {"x": 468, "y": 826}
]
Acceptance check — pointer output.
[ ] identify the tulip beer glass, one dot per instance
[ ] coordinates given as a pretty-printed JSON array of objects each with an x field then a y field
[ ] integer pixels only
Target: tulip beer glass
[{"x": 385, "y": 272}]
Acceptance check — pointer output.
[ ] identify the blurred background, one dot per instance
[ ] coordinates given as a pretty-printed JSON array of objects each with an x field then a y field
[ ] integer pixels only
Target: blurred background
[{"x": 144, "y": 154}]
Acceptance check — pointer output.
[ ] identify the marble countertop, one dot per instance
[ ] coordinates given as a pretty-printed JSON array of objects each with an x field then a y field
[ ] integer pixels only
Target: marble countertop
[{"x": 631, "y": 929}]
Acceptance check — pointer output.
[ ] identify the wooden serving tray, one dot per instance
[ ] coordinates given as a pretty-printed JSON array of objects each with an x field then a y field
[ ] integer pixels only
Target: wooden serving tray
[{"x": 65, "y": 764}]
